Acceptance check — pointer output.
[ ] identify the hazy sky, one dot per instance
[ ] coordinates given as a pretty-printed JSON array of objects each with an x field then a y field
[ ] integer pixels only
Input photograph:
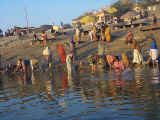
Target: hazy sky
[{"x": 45, "y": 11}]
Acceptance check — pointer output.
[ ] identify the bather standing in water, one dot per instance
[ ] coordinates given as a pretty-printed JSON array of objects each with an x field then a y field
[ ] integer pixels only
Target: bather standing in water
[
  {"x": 137, "y": 56},
  {"x": 92, "y": 61},
  {"x": 23, "y": 66},
  {"x": 125, "y": 60},
  {"x": 62, "y": 53},
  {"x": 69, "y": 62},
  {"x": 47, "y": 54},
  {"x": 73, "y": 49},
  {"x": 154, "y": 53}
]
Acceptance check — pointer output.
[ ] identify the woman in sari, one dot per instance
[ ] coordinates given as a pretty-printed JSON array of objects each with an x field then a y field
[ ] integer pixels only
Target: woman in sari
[
  {"x": 94, "y": 33},
  {"x": 110, "y": 60},
  {"x": 62, "y": 53},
  {"x": 125, "y": 60},
  {"x": 108, "y": 34}
]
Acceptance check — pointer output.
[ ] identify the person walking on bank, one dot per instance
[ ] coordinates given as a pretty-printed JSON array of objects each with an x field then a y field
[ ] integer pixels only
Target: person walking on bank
[
  {"x": 94, "y": 33},
  {"x": 129, "y": 37},
  {"x": 44, "y": 38},
  {"x": 91, "y": 35},
  {"x": 108, "y": 34}
]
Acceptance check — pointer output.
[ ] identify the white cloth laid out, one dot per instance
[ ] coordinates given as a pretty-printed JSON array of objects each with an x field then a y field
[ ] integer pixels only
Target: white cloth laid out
[{"x": 154, "y": 54}]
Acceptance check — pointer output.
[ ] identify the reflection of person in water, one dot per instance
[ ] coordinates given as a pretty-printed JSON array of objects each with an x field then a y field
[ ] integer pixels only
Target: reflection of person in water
[
  {"x": 1, "y": 82},
  {"x": 64, "y": 80},
  {"x": 24, "y": 79},
  {"x": 49, "y": 89},
  {"x": 155, "y": 76},
  {"x": 33, "y": 79},
  {"x": 100, "y": 91},
  {"x": 70, "y": 81},
  {"x": 112, "y": 88}
]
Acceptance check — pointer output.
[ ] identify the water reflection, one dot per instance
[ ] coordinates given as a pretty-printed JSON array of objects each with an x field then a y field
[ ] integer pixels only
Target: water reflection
[{"x": 134, "y": 94}]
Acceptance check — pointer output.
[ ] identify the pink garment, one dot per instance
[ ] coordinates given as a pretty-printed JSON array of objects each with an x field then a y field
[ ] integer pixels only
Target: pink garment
[{"x": 118, "y": 66}]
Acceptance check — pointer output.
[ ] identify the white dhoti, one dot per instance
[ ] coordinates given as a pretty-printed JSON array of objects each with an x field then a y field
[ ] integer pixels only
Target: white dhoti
[
  {"x": 69, "y": 63},
  {"x": 154, "y": 54},
  {"x": 137, "y": 57}
]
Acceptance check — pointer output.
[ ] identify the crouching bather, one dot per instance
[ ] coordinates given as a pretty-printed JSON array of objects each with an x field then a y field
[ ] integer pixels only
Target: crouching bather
[
  {"x": 26, "y": 65},
  {"x": 23, "y": 65},
  {"x": 116, "y": 64}
]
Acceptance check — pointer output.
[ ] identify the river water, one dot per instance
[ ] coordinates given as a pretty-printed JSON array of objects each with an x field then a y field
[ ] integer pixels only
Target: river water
[{"x": 134, "y": 95}]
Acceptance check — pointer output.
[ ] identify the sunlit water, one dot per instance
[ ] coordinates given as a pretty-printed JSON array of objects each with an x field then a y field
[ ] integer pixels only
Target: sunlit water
[{"x": 85, "y": 96}]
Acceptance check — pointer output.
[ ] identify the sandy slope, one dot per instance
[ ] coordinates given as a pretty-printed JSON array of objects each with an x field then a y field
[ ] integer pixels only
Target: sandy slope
[{"x": 12, "y": 47}]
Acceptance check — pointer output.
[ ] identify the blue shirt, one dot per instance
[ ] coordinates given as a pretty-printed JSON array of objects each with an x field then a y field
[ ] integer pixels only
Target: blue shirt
[{"x": 153, "y": 44}]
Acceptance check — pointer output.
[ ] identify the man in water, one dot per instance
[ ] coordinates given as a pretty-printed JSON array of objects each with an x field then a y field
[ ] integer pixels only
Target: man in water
[
  {"x": 47, "y": 54},
  {"x": 69, "y": 62}
]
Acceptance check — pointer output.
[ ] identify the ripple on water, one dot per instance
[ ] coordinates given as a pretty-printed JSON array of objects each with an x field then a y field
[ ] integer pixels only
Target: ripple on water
[{"x": 85, "y": 96}]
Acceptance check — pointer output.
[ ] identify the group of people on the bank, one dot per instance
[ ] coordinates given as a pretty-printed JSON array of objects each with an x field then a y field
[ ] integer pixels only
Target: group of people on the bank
[
  {"x": 126, "y": 60},
  {"x": 105, "y": 61},
  {"x": 12, "y": 32},
  {"x": 98, "y": 32}
]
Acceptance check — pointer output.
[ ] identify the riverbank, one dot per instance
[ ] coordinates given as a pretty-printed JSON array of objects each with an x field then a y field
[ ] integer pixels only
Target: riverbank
[{"x": 12, "y": 48}]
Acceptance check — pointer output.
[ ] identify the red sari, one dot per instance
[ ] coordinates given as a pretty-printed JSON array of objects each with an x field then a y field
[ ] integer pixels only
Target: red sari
[{"x": 62, "y": 53}]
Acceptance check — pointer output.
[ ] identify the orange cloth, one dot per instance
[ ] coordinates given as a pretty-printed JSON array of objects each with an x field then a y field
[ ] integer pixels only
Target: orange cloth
[
  {"x": 62, "y": 52},
  {"x": 94, "y": 33},
  {"x": 110, "y": 59},
  {"x": 108, "y": 34},
  {"x": 65, "y": 80},
  {"x": 125, "y": 60}
]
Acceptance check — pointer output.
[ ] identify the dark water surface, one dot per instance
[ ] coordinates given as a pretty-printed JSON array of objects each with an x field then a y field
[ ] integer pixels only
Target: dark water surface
[{"x": 85, "y": 96}]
